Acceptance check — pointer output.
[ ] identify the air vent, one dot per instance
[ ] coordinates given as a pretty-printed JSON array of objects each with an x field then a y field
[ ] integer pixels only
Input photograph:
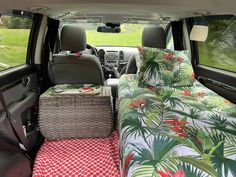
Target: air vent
[{"x": 121, "y": 55}]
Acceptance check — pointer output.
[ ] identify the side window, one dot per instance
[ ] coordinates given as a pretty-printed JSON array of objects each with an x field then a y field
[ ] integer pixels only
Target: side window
[
  {"x": 170, "y": 40},
  {"x": 219, "y": 50},
  {"x": 14, "y": 36}
]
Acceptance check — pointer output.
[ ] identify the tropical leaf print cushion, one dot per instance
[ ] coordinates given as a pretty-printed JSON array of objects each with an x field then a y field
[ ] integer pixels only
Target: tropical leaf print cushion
[
  {"x": 162, "y": 67},
  {"x": 176, "y": 132}
]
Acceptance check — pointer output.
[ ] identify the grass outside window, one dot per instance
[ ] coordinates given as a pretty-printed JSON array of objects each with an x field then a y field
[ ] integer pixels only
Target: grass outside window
[{"x": 14, "y": 36}]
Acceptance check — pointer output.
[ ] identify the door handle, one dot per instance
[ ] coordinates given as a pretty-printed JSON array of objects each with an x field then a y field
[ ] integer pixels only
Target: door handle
[{"x": 25, "y": 81}]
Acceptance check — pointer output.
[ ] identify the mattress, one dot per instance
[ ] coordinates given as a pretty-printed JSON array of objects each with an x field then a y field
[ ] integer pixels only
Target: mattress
[{"x": 175, "y": 131}]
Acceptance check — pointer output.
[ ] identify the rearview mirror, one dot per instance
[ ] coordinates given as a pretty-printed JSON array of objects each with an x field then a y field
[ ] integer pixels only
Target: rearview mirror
[{"x": 109, "y": 28}]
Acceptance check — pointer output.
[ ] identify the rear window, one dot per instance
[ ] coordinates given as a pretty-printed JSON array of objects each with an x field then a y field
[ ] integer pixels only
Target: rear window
[
  {"x": 14, "y": 36},
  {"x": 219, "y": 50}
]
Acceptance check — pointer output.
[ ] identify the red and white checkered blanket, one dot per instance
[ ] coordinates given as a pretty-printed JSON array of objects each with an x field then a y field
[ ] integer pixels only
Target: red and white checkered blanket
[{"x": 78, "y": 157}]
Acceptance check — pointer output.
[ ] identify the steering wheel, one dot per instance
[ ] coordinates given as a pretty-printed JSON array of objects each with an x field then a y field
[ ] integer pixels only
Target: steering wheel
[{"x": 93, "y": 49}]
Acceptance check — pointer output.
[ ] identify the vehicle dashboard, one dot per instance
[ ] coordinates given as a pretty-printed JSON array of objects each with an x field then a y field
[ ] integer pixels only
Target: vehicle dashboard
[
  {"x": 114, "y": 59},
  {"x": 113, "y": 56}
]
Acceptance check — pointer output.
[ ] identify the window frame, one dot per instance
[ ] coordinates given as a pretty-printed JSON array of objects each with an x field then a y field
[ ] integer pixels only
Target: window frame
[
  {"x": 194, "y": 44},
  {"x": 203, "y": 72},
  {"x": 24, "y": 14}
]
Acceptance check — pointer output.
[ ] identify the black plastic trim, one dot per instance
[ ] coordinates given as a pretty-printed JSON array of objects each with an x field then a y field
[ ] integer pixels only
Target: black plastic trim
[
  {"x": 225, "y": 77},
  {"x": 219, "y": 84},
  {"x": 177, "y": 31},
  {"x": 12, "y": 75}
]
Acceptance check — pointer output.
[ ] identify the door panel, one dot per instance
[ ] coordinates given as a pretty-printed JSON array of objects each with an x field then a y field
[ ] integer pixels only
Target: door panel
[
  {"x": 10, "y": 76},
  {"x": 220, "y": 81},
  {"x": 20, "y": 89},
  {"x": 14, "y": 164},
  {"x": 21, "y": 96}
]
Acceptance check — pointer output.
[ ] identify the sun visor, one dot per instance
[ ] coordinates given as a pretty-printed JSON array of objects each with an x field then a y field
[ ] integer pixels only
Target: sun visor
[
  {"x": 200, "y": 29},
  {"x": 199, "y": 33}
]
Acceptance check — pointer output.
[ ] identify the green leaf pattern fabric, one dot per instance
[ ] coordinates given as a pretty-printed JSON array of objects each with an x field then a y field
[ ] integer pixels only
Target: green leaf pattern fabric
[
  {"x": 163, "y": 67},
  {"x": 175, "y": 131},
  {"x": 73, "y": 89}
]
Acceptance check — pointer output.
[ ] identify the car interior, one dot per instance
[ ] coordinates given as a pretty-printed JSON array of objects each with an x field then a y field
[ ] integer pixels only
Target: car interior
[{"x": 117, "y": 88}]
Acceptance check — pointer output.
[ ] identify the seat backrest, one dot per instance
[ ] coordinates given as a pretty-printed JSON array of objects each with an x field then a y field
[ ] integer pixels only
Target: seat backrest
[
  {"x": 85, "y": 69},
  {"x": 75, "y": 66},
  {"x": 153, "y": 37}
]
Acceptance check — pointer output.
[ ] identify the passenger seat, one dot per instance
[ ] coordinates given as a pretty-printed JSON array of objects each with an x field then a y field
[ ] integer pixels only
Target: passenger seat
[
  {"x": 153, "y": 37},
  {"x": 73, "y": 65}
]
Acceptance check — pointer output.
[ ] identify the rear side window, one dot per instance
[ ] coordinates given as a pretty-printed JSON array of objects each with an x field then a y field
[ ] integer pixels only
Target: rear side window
[
  {"x": 14, "y": 36},
  {"x": 219, "y": 50}
]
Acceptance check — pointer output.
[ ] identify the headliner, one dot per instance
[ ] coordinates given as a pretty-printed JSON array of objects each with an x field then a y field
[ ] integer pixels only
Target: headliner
[{"x": 112, "y": 10}]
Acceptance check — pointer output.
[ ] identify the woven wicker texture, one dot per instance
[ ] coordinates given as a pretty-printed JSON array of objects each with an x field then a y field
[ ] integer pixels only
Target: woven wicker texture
[{"x": 65, "y": 116}]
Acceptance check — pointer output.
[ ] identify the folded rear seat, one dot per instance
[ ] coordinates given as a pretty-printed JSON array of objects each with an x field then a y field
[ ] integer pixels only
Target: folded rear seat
[{"x": 176, "y": 128}]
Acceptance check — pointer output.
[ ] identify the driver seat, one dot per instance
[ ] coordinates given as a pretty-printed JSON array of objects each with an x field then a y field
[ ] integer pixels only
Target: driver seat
[{"x": 74, "y": 65}]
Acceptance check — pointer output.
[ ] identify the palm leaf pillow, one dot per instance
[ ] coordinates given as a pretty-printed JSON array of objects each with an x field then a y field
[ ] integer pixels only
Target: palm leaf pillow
[{"x": 163, "y": 67}]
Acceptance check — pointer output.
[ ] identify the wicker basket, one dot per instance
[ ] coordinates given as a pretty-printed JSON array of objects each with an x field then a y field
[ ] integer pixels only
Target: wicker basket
[{"x": 72, "y": 115}]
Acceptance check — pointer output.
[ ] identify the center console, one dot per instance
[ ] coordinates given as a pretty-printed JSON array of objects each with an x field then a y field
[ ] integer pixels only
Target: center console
[
  {"x": 111, "y": 62},
  {"x": 111, "y": 58}
]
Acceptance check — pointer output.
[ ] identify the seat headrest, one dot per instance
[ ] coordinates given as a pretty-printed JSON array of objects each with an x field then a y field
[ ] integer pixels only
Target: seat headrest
[
  {"x": 73, "y": 38},
  {"x": 154, "y": 37}
]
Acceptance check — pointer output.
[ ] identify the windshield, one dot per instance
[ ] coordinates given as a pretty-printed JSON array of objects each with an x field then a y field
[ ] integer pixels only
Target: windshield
[{"x": 130, "y": 35}]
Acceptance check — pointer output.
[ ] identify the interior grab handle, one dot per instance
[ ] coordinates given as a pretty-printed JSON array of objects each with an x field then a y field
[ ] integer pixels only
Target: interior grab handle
[{"x": 225, "y": 86}]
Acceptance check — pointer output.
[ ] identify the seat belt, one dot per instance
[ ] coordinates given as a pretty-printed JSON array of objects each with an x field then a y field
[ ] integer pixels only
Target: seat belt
[
  {"x": 50, "y": 39},
  {"x": 9, "y": 118}
]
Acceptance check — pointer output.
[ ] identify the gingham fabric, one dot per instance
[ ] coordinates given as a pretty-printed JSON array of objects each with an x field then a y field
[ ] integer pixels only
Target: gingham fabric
[{"x": 97, "y": 157}]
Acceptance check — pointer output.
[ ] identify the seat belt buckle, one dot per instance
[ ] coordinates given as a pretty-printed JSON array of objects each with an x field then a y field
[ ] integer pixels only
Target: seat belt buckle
[{"x": 22, "y": 147}]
